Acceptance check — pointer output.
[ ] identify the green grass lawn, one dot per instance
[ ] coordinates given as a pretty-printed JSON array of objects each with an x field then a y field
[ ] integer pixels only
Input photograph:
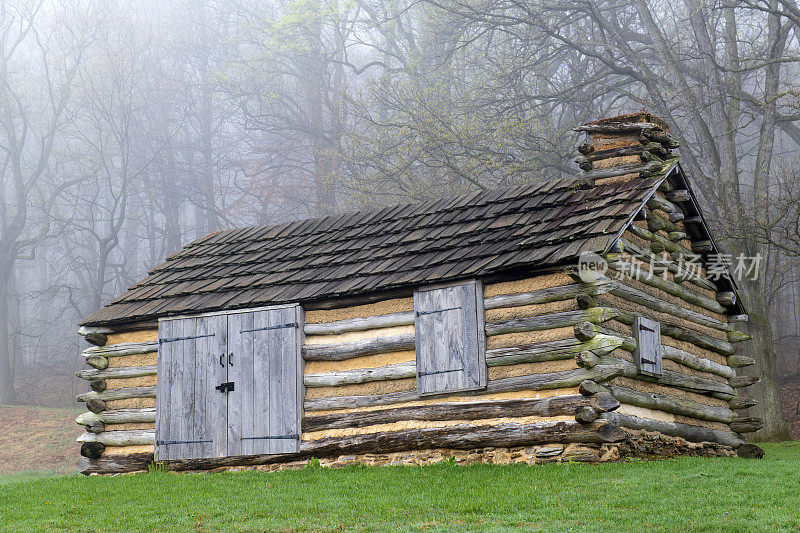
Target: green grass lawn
[{"x": 694, "y": 494}]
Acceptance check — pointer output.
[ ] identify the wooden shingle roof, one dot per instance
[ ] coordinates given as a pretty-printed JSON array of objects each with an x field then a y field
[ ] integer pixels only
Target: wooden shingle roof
[{"x": 474, "y": 235}]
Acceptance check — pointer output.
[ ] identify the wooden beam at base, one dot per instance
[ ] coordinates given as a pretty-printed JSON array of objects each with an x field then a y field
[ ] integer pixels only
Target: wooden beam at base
[
  {"x": 461, "y": 437},
  {"x": 685, "y": 431},
  {"x": 115, "y": 464}
]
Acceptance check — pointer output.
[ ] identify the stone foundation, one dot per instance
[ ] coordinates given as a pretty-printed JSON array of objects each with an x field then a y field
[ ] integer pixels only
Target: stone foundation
[{"x": 639, "y": 444}]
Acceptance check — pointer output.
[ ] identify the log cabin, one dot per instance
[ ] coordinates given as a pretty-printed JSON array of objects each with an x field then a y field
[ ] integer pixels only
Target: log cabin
[{"x": 466, "y": 328}]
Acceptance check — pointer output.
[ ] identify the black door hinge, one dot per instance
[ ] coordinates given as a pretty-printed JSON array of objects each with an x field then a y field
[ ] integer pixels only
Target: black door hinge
[
  {"x": 225, "y": 387},
  {"x": 267, "y": 328},
  {"x": 431, "y": 373},
  {"x": 422, "y": 313}
]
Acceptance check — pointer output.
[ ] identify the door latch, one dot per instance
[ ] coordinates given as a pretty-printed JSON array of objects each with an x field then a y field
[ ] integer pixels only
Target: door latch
[{"x": 225, "y": 387}]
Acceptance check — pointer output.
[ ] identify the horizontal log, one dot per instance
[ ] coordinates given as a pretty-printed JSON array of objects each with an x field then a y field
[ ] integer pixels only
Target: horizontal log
[
  {"x": 460, "y": 437},
  {"x": 115, "y": 464},
  {"x": 739, "y": 382},
  {"x": 361, "y": 375},
  {"x": 548, "y": 295},
  {"x": 737, "y": 403},
  {"x": 138, "y": 437},
  {"x": 738, "y": 336},
  {"x": 586, "y": 148},
  {"x": 621, "y": 170},
  {"x": 675, "y": 236},
  {"x": 98, "y": 385},
  {"x": 97, "y": 361},
  {"x": 738, "y": 318},
  {"x": 118, "y": 350},
  {"x": 118, "y": 394},
  {"x": 651, "y": 302},
  {"x": 698, "y": 363},
  {"x": 739, "y": 361},
  {"x": 545, "y": 407},
  {"x": 747, "y": 424},
  {"x": 657, "y": 202},
  {"x": 674, "y": 379},
  {"x": 660, "y": 136},
  {"x": 622, "y": 151},
  {"x": 618, "y": 127},
  {"x": 119, "y": 416},
  {"x": 675, "y": 429},
  {"x": 670, "y": 404},
  {"x": 679, "y": 195},
  {"x": 726, "y": 298},
  {"x": 361, "y": 324},
  {"x": 698, "y": 339},
  {"x": 552, "y": 350},
  {"x": 118, "y": 372},
  {"x": 555, "y": 320},
  {"x": 348, "y": 350},
  {"x": 550, "y": 380}
]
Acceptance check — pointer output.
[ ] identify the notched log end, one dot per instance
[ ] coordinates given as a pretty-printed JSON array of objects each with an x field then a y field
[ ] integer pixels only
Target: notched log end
[
  {"x": 92, "y": 450},
  {"x": 611, "y": 432}
]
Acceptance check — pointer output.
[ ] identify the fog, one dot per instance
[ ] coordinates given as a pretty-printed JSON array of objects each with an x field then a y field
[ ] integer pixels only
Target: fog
[{"x": 130, "y": 128}]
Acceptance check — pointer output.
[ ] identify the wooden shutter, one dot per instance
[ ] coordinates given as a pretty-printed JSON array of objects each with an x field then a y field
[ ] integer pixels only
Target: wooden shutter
[
  {"x": 450, "y": 339},
  {"x": 264, "y": 410},
  {"x": 190, "y": 413},
  {"x": 647, "y": 356}
]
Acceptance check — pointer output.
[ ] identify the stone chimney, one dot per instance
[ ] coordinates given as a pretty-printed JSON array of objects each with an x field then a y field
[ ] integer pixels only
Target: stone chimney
[{"x": 625, "y": 147}]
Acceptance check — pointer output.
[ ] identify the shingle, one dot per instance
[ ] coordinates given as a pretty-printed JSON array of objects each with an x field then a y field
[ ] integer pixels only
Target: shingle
[{"x": 444, "y": 239}]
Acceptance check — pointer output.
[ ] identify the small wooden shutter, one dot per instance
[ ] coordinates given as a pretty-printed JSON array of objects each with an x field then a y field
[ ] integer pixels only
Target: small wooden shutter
[
  {"x": 264, "y": 410},
  {"x": 647, "y": 356},
  {"x": 450, "y": 339},
  {"x": 190, "y": 413}
]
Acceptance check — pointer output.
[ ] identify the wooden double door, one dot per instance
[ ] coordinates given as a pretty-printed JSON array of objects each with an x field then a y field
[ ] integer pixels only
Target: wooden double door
[{"x": 230, "y": 384}]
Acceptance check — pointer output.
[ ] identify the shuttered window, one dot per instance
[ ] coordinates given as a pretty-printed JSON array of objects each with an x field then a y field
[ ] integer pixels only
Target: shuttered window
[
  {"x": 229, "y": 384},
  {"x": 647, "y": 355},
  {"x": 450, "y": 340}
]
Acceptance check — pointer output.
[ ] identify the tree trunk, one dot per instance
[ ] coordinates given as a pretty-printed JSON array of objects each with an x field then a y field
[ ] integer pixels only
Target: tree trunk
[{"x": 7, "y": 394}]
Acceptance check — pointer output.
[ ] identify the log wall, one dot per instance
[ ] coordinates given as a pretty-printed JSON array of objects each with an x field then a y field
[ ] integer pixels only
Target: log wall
[
  {"x": 699, "y": 389},
  {"x": 559, "y": 357}
]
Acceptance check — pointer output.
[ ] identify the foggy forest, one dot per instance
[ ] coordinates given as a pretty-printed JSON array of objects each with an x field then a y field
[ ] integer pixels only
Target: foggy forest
[{"x": 129, "y": 128}]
